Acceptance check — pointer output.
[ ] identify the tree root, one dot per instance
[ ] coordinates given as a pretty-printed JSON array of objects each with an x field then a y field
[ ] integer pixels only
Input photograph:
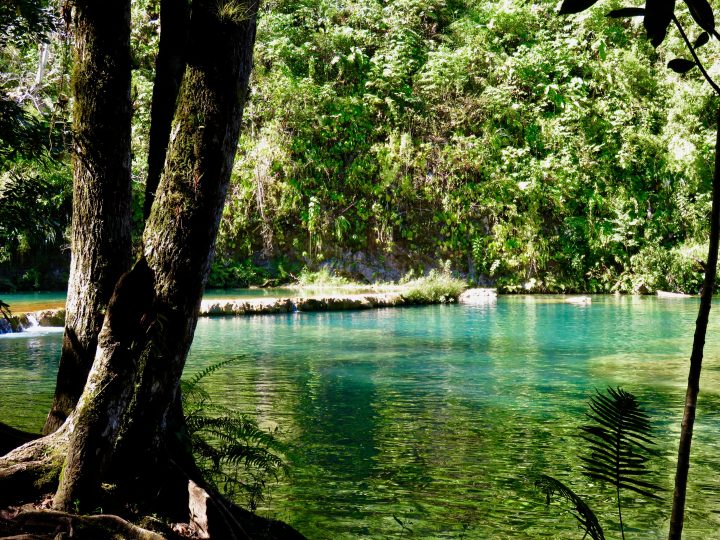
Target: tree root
[
  {"x": 32, "y": 471},
  {"x": 52, "y": 524}
]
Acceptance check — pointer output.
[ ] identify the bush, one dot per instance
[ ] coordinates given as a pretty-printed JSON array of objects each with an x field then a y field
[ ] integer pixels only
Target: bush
[
  {"x": 321, "y": 278},
  {"x": 228, "y": 274},
  {"x": 655, "y": 268},
  {"x": 438, "y": 286}
]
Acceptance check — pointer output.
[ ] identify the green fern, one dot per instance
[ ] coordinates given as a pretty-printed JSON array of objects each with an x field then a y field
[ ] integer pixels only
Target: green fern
[
  {"x": 231, "y": 450},
  {"x": 581, "y": 511}
]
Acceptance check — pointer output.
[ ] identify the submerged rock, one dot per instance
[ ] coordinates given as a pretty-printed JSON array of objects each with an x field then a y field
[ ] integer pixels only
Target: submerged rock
[
  {"x": 478, "y": 296},
  {"x": 579, "y": 300},
  {"x": 666, "y": 294}
]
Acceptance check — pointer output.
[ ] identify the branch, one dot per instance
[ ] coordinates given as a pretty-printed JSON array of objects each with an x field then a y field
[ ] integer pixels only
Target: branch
[{"x": 695, "y": 56}]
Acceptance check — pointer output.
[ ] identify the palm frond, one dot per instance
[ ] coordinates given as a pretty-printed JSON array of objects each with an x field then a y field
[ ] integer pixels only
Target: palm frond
[
  {"x": 5, "y": 311},
  {"x": 619, "y": 442},
  {"x": 580, "y": 510}
]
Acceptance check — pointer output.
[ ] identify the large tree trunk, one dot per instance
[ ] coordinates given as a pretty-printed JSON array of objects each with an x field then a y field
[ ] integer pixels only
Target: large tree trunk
[
  {"x": 101, "y": 244},
  {"x": 127, "y": 408},
  {"x": 169, "y": 68}
]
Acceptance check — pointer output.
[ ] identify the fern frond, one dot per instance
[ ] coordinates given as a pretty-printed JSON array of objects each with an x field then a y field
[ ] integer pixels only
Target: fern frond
[{"x": 231, "y": 450}]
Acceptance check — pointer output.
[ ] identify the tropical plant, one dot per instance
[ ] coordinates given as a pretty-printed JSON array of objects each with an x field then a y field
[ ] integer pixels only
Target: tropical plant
[
  {"x": 232, "y": 451},
  {"x": 580, "y": 510},
  {"x": 619, "y": 445},
  {"x": 5, "y": 311}
]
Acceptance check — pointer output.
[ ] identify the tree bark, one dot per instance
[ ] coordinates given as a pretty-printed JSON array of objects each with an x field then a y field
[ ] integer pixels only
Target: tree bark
[
  {"x": 696, "y": 357},
  {"x": 127, "y": 408},
  {"x": 101, "y": 243},
  {"x": 169, "y": 68}
]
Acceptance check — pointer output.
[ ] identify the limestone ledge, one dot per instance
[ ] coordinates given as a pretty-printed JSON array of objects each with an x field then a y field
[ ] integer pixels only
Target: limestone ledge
[
  {"x": 258, "y": 306},
  {"x": 312, "y": 303}
]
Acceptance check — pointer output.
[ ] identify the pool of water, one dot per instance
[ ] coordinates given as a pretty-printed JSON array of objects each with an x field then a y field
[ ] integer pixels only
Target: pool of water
[{"x": 436, "y": 416}]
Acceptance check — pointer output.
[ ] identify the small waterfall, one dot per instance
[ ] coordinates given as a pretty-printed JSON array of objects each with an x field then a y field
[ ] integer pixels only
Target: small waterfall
[
  {"x": 31, "y": 321},
  {"x": 19, "y": 323}
]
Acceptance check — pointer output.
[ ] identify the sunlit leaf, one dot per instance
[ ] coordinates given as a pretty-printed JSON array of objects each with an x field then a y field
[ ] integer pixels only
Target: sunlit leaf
[
  {"x": 627, "y": 12},
  {"x": 658, "y": 16},
  {"x": 681, "y": 65},
  {"x": 575, "y": 6}
]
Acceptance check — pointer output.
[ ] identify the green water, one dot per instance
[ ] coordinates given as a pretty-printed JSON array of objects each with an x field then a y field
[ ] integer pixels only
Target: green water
[{"x": 436, "y": 415}]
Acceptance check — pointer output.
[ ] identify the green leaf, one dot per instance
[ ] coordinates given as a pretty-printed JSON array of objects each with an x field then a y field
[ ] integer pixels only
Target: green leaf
[
  {"x": 626, "y": 12},
  {"x": 658, "y": 16},
  {"x": 681, "y": 65},
  {"x": 703, "y": 14},
  {"x": 575, "y": 6}
]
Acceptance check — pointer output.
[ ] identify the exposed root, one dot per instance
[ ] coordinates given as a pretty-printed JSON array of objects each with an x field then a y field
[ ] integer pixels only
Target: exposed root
[
  {"x": 34, "y": 523},
  {"x": 32, "y": 469}
]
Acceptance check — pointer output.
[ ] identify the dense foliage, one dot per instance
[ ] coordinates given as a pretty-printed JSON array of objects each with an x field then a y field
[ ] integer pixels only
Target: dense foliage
[
  {"x": 536, "y": 152},
  {"x": 35, "y": 178}
]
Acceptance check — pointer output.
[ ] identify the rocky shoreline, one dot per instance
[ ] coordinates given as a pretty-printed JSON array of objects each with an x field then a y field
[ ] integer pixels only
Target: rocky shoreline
[{"x": 260, "y": 306}]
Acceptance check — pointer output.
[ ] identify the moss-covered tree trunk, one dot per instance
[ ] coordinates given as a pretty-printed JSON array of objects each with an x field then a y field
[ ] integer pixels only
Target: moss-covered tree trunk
[
  {"x": 101, "y": 188},
  {"x": 128, "y": 407}
]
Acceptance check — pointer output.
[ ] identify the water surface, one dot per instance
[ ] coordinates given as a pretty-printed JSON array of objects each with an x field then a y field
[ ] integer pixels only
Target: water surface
[{"x": 436, "y": 416}]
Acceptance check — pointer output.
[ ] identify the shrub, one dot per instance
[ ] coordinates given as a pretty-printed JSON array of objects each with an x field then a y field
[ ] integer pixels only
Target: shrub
[{"x": 438, "y": 286}]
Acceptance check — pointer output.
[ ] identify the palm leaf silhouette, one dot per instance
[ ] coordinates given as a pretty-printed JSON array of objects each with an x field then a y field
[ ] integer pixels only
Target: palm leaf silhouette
[
  {"x": 619, "y": 442},
  {"x": 581, "y": 511},
  {"x": 619, "y": 445}
]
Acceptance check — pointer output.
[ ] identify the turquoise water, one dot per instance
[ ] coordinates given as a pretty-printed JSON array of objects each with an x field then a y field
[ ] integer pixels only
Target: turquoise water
[{"x": 437, "y": 415}]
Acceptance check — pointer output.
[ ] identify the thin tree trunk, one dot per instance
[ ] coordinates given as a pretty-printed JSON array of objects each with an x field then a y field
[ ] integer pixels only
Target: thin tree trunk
[
  {"x": 128, "y": 401},
  {"x": 101, "y": 244},
  {"x": 693, "y": 387},
  {"x": 169, "y": 68}
]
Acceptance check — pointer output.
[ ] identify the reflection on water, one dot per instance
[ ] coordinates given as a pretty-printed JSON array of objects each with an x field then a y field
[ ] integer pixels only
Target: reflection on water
[{"x": 437, "y": 415}]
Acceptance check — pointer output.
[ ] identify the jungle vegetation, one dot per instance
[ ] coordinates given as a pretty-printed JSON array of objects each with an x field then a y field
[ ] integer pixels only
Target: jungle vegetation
[{"x": 535, "y": 152}]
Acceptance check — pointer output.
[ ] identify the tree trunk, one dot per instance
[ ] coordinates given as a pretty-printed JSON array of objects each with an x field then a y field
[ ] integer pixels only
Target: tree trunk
[
  {"x": 101, "y": 241},
  {"x": 169, "y": 68},
  {"x": 127, "y": 408},
  {"x": 696, "y": 357}
]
